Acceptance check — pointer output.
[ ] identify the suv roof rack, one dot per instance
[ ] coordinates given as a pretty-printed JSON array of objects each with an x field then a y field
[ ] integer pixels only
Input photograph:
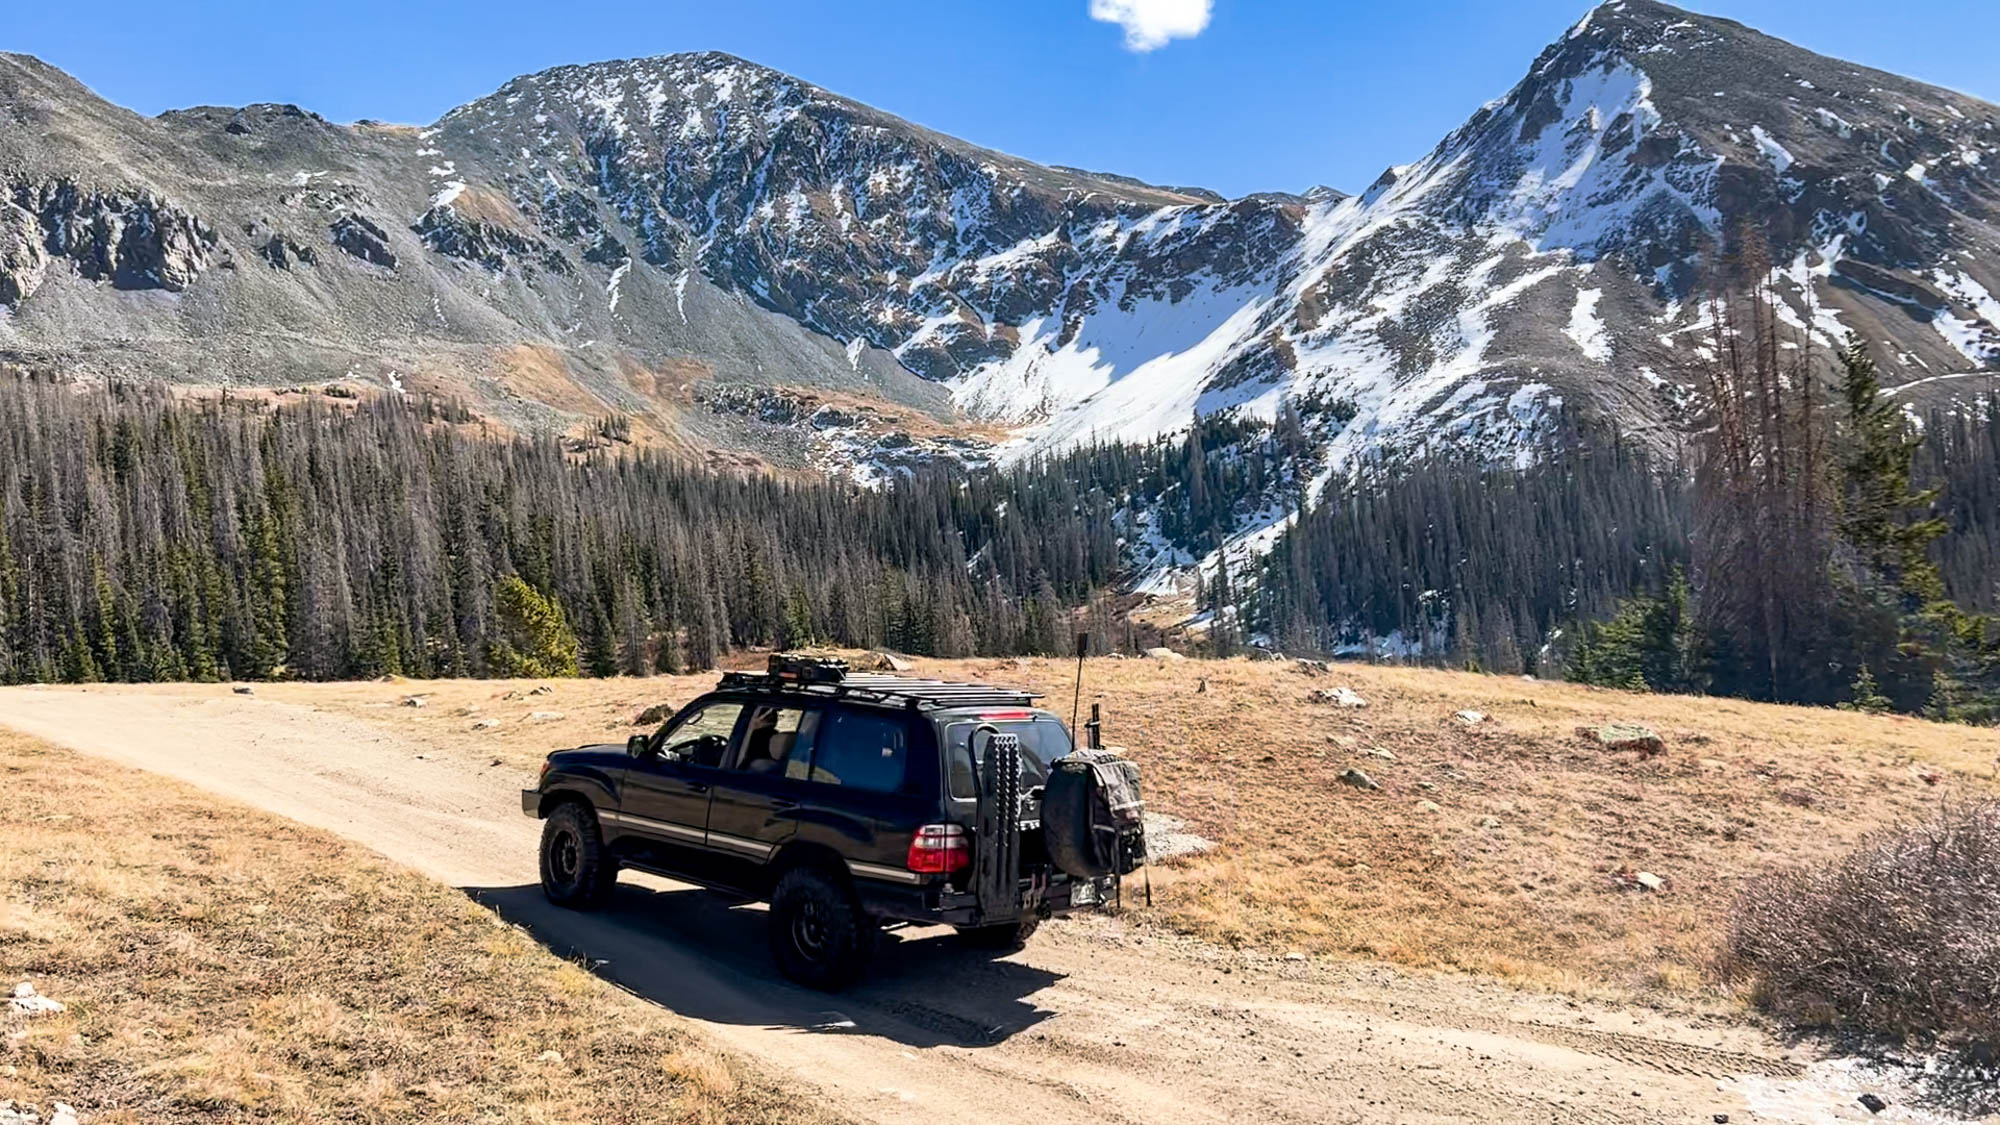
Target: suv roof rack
[{"x": 829, "y": 679}]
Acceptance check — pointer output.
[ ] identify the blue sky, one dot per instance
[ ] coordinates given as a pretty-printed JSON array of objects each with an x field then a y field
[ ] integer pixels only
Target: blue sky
[{"x": 1269, "y": 94}]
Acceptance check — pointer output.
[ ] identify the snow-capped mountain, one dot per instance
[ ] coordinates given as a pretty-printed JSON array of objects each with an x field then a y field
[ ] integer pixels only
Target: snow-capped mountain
[{"x": 740, "y": 263}]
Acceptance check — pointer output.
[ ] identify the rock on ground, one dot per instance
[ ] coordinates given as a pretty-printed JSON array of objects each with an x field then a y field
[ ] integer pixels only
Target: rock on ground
[{"x": 1625, "y": 736}]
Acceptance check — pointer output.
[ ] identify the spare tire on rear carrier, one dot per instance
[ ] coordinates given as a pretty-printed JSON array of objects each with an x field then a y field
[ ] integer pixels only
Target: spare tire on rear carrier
[{"x": 1093, "y": 821}]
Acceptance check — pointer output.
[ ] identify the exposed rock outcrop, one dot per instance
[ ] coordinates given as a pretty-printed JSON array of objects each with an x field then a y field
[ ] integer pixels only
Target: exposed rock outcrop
[{"x": 131, "y": 239}]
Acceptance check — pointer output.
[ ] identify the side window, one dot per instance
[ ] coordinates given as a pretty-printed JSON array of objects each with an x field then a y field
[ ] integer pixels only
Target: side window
[
  {"x": 862, "y": 751},
  {"x": 703, "y": 736},
  {"x": 779, "y": 740}
]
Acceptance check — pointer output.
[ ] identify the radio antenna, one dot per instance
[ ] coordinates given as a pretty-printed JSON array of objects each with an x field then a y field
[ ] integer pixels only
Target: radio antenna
[{"x": 1076, "y": 704}]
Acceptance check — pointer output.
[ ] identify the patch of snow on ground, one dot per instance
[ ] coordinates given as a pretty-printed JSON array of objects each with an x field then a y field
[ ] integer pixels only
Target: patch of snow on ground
[
  {"x": 1831, "y": 1089},
  {"x": 1779, "y": 155},
  {"x": 614, "y": 286},
  {"x": 451, "y": 190},
  {"x": 1586, "y": 329}
]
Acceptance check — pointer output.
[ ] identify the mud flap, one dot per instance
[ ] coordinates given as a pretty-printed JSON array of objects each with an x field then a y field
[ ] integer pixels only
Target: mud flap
[{"x": 996, "y": 869}]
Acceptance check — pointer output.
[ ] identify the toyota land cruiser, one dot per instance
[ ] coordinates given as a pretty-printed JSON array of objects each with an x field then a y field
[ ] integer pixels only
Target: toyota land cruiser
[{"x": 849, "y": 802}]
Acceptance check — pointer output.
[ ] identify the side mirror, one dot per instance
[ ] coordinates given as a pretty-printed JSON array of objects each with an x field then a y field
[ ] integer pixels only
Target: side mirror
[{"x": 638, "y": 745}]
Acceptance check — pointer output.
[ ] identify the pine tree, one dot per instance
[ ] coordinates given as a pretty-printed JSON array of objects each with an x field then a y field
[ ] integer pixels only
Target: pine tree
[{"x": 535, "y": 638}]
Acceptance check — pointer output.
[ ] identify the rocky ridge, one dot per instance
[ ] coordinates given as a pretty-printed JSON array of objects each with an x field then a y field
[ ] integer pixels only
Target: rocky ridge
[{"x": 686, "y": 240}]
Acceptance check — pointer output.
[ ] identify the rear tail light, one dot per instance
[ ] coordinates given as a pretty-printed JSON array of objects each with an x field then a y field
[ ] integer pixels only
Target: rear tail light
[{"x": 940, "y": 849}]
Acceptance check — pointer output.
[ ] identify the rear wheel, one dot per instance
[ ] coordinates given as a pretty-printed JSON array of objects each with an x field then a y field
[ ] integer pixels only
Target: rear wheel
[
  {"x": 818, "y": 933},
  {"x": 1009, "y": 937},
  {"x": 577, "y": 870}
]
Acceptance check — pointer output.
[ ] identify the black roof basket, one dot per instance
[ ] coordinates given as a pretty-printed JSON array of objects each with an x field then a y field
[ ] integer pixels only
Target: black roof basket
[{"x": 830, "y": 679}]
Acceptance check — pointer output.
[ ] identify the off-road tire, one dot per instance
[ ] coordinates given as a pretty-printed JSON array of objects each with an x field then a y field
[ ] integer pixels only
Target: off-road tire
[
  {"x": 578, "y": 871},
  {"x": 819, "y": 935},
  {"x": 1006, "y": 938}
]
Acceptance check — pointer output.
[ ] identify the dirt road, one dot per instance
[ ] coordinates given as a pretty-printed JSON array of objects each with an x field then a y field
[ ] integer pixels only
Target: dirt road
[{"x": 1096, "y": 1020}]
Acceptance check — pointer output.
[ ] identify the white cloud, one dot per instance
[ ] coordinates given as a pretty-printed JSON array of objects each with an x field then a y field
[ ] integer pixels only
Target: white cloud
[{"x": 1150, "y": 24}]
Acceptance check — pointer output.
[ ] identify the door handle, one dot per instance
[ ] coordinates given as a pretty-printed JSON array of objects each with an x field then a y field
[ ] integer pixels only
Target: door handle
[
  {"x": 784, "y": 803},
  {"x": 697, "y": 787}
]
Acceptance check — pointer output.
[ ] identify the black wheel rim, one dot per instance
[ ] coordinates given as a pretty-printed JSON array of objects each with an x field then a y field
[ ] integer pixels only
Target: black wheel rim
[
  {"x": 565, "y": 858},
  {"x": 809, "y": 931}
]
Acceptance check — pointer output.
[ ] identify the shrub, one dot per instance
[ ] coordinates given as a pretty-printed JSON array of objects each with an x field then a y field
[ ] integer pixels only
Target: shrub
[{"x": 1899, "y": 939}]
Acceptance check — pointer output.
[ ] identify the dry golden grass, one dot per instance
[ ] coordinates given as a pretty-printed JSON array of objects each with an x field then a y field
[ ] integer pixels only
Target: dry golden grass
[
  {"x": 223, "y": 965},
  {"x": 1516, "y": 874}
]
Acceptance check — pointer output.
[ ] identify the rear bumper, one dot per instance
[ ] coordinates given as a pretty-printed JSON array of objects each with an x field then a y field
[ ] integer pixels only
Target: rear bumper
[
  {"x": 531, "y": 802},
  {"x": 940, "y": 905}
]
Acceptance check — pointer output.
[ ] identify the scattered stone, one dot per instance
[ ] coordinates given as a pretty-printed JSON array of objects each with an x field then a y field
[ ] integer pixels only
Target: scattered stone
[
  {"x": 1166, "y": 654},
  {"x": 1168, "y": 836},
  {"x": 542, "y": 689},
  {"x": 1721, "y": 1119},
  {"x": 1649, "y": 881},
  {"x": 1265, "y": 654},
  {"x": 1202, "y": 687},
  {"x": 1626, "y": 736},
  {"x": 1470, "y": 718},
  {"x": 62, "y": 1115},
  {"x": 1427, "y": 785},
  {"x": 1339, "y": 697},
  {"x": 1872, "y": 1103},
  {"x": 653, "y": 716},
  {"x": 546, "y": 716},
  {"x": 1489, "y": 822},
  {"x": 886, "y": 661},
  {"x": 1385, "y": 755},
  {"x": 485, "y": 724},
  {"x": 1357, "y": 779},
  {"x": 27, "y": 1002},
  {"x": 1295, "y": 955},
  {"x": 416, "y": 701},
  {"x": 244, "y": 689},
  {"x": 1311, "y": 667},
  {"x": 549, "y": 1056},
  {"x": 1429, "y": 806}
]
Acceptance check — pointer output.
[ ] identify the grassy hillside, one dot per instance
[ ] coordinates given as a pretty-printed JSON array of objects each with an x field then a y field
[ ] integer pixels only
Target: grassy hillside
[
  {"x": 1506, "y": 848},
  {"x": 219, "y": 964}
]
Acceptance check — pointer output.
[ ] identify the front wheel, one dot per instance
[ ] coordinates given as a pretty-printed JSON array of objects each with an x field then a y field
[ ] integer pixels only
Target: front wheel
[
  {"x": 577, "y": 870},
  {"x": 819, "y": 935},
  {"x": 1008, "y": 937}
]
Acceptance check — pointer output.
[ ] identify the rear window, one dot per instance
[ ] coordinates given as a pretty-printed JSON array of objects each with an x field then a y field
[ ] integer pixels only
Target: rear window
[{"x": 1043, "y": 738}]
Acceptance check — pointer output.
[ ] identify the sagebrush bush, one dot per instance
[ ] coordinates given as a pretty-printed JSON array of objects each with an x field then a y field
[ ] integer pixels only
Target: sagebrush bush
[{"x": 1901, "y": 938}]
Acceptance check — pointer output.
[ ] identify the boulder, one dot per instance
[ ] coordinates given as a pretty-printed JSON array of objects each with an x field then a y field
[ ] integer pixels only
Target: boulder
[
  {"x": 1470, "y": 718},
  {"x": 1357, "y": 779},
  {"x": 1625, "y": 736},
  {"x": 653, "y": 716},
  {"x": 886, "y": 661},
  {"x": 27, "y": 1002},
  {"x": 244, "y": 689},
  {"x": 415, "y": 701},
  {"x": 485, "y": 724},
  {"x": 1311, "y": 667},
  {"x": 1165, "y": 654},
  {"x": 546, "y": 716},
  {"x": 1339, "y": 697}
]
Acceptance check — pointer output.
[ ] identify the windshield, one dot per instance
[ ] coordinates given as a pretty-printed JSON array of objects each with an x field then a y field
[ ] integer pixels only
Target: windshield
[{"x": 1043, "y": 737}]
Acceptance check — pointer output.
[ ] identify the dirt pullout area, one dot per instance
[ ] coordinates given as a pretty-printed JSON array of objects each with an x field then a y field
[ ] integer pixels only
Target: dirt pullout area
[
  {"x": 171, "y": 958},
  {"x": 1098, "y": 1019}
]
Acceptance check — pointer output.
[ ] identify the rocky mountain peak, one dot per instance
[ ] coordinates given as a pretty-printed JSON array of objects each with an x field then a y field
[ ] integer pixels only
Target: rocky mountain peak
[{"x": 678, "y": 236}]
